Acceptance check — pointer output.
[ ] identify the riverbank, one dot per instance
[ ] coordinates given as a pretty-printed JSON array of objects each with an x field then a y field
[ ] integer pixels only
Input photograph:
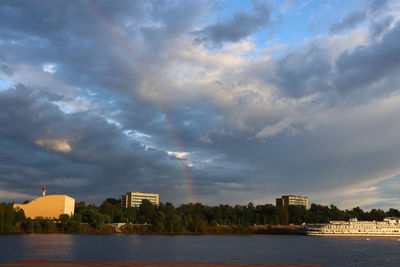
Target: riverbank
[
  {"x": 45, "y": 263},
  {"x": 220, "y": 229},
  {"x": 86, "y": 228}
]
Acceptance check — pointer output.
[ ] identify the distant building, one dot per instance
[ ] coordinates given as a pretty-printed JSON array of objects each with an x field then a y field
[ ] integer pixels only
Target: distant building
[
  {"x": 292, "y": 201},
  {"x": 49, "y": 207},
  {"x": 134, "y": 199}
]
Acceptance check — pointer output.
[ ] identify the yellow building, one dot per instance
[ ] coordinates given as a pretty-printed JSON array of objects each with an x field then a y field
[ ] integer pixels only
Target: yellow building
[
  {"x": 134, "y": 199},
  {"x": 50, "y": 207}
]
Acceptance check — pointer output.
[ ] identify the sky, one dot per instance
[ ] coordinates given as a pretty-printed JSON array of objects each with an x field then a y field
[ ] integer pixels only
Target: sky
[{"x": 211, "y": 101}]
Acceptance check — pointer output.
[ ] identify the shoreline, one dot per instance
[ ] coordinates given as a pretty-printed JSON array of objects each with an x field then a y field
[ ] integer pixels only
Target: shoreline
[
  {"x": 210, "y": 230},
  {"x": 48, "y": 263}
]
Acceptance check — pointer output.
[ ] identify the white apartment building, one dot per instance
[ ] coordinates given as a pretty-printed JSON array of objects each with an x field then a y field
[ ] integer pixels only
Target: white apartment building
[{"x": 134, "y": 199}]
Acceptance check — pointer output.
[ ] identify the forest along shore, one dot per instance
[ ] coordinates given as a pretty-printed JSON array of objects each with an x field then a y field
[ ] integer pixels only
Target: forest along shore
[{"x": 184, "y": 219}]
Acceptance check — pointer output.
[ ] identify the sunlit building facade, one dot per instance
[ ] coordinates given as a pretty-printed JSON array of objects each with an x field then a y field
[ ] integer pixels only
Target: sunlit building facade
[
  {"x": 292, "y": 200},
  {"x": 134, "y": 199},
  {"x": 48, "y": 207}
]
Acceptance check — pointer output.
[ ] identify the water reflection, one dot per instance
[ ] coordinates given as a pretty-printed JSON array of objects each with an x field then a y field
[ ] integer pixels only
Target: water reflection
[
  {"x": 224, "y": 249},
  {"x": 134, "y": 241},
  {"x": 47, "y": 246}
]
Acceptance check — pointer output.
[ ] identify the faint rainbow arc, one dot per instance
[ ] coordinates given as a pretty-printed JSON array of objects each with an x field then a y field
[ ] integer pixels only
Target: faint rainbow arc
[
  {"x": 124, "y": 45},
  {"x": 186, "y": 174}
]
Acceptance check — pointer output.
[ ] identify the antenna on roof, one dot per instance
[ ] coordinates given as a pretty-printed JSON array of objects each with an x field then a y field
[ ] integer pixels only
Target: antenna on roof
[{"x": 44, "y": 191}]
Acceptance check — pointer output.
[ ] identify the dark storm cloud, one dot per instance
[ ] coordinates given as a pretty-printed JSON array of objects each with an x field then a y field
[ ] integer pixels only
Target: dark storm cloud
[
  {"x": 101, "y": 161},
  {"x": 6, "y": 69},
  {"x": 64, "y": 33},
  {"x": 176, "y": 16},
  {"x": 326, "y": 158},
  {"x": 170, "y": 20},
  {"x": 240, "y": 26},
  {"x": 368, "y": 65},
  {"x": 380, "y": 25},
  {"x": 89, "y": 52},
  {"x": 51, "y": 20},
  {"x": 312, "y": 70},
  {"x": 349, "y": 21},
  {"x": 93, "y": 43},
  {"x": 302, "y": 73},
  {"x": 186, "y": 122}
]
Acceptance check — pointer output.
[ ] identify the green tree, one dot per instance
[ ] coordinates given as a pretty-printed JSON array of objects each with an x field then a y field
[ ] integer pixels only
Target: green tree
[
  {"x": 28, "y": 225},
  {"x": 172, "y": 221},
  {"x": 64, "y": 219},
  {"x": 147, "y": 212},
  {"x": 92, "y": 216},
  {"x": 43, "y": 225},
  {"x": 296, "y": 214},
  {"x": 282, "y": 215},
  {"x": 198, "y": 224},
  {"x": 70, "y": 224},
  {"x": 376, "y": 215},
  {"x": 358, "y": 213},
  {"x": 159, "y": 222},
  {"x": 130, "y": 215},
  {"x": 7, "y": 218},
  {"x": 393, "y": 213},
  {"x": 112, "y": 208}
]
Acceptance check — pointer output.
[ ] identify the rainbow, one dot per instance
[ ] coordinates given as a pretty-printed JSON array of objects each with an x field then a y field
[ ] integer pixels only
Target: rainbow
[
  {"x": 122, "y": 43},
  {"x": 187, "y": 176}
]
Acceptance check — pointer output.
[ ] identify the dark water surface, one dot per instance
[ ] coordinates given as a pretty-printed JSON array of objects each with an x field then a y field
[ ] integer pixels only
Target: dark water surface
[{"x": 327, "y": 251}]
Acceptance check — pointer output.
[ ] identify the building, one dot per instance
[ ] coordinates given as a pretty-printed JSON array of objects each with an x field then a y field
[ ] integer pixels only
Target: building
[
  {"x": 292, "y": 201},
  {"x": 134, "y": 199},
  {"x": 49, "y": 207}
]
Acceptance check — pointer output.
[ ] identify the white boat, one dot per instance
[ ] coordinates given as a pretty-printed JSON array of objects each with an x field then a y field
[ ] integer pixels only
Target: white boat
[{"x": 389, "y": 227}]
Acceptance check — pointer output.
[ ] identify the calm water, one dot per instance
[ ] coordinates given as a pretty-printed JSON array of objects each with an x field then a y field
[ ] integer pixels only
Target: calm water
[{"x": 327, "y": 251}]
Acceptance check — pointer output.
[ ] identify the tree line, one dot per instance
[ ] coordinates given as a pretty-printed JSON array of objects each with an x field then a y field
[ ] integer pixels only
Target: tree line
[{"x": 186, "y": 218}]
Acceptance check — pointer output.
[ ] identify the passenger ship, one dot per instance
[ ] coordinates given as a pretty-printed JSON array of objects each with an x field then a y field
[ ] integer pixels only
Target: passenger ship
[{"x": 389, "y": 227}]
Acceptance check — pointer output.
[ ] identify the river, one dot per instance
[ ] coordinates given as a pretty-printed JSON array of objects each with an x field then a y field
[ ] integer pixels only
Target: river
[{"x": 275, "y": 249}]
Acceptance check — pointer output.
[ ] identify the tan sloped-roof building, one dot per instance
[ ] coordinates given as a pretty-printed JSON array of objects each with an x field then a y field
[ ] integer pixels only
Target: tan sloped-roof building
[{"x": 51, "y": 206}]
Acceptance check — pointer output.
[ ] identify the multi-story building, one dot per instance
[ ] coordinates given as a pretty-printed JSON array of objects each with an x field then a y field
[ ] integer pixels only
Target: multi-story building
[
  {"x": 292, "y": 201},
  {"x": 134, "y": 199}
]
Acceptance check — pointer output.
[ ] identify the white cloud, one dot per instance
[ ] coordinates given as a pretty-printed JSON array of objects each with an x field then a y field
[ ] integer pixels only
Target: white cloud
[
  {"x": 59, "y": 145},
  {"x": 178, "y": 155},
  {"x": 50, "y": 68},
  {"x": 205, "y": 139},
  {"x": 272, "y": 130}
]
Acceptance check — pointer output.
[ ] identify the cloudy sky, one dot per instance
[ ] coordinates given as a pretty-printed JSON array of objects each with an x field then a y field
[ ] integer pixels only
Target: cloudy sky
[{"x": 212, "y": 101}]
